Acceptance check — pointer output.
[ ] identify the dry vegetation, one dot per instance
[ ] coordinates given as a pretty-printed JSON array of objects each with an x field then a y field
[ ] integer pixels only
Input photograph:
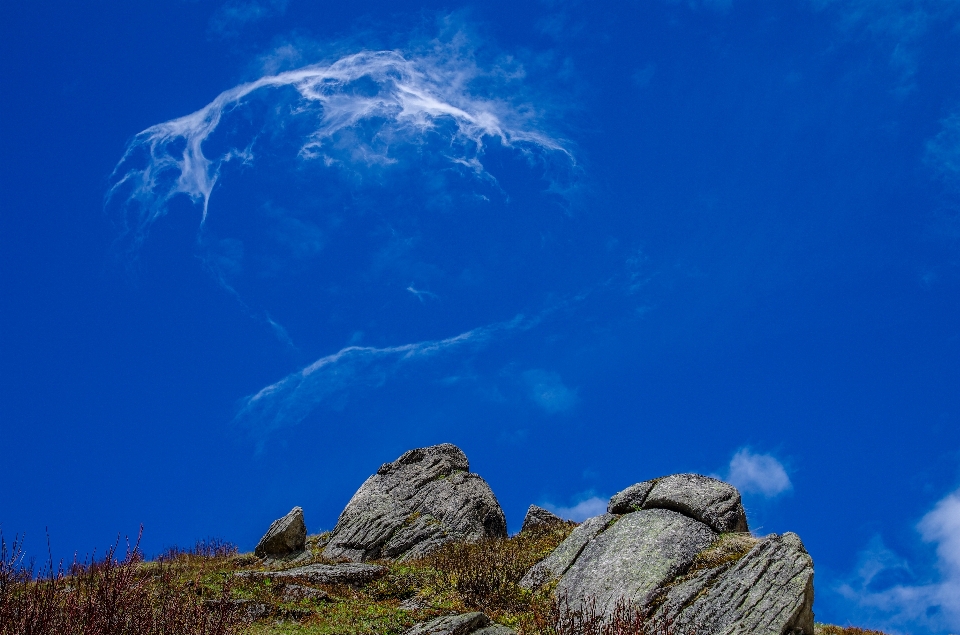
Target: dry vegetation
[{"x": 196, "y": 592}]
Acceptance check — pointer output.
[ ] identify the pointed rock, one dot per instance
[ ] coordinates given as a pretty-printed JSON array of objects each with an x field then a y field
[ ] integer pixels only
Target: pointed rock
[
  {"x": 285, "y": 536},
  {"x": 425, "y": 498},
  {"x": 540, "y": 518}
]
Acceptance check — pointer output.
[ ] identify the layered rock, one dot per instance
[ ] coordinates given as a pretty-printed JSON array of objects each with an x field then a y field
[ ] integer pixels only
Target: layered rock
[
  {"x": 712, "y": 502},
  {"x": 769, "y": 591},
  {"x": 287, "y": 535},
  {"x": 706, "y": 499},
  {"x": 420, "y": 501}
]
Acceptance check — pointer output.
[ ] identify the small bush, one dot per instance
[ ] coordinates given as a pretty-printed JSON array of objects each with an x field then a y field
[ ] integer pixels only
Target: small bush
[
  {"x": 208, "y": 548},
  {"x": 486, "y": 574},
  {"x": 586, "y": 620},
  {"x": 106, "y": 597}
]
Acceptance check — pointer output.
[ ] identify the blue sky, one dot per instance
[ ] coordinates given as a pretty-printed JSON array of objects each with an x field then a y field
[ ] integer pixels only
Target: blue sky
[{"x": 251, "y": 250}]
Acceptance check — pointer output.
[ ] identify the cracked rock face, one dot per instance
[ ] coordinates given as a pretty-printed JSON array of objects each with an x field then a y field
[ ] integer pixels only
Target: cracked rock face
[
  {"x": 560, "y": 559},
  {"x": 633, "y": 557},
  {"x": 285, "y": 536},
  {"x": 767, "y": 592},
  {"x": 420, "y": 501}
]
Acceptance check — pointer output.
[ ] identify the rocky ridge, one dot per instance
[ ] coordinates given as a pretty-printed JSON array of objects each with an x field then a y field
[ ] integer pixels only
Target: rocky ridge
[{"x": 675, "y": 550}]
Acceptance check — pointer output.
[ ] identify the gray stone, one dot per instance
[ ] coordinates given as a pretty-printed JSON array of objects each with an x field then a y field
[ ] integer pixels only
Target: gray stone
[
  {"x": 629, "y": 561},
  {"x": 560, "y": 559},
  {"x": 464, "y": 624},
  {"x": 343, "y": 573},
  {"x": 422, "y": 500},
  {"x": 289, "y": 560},
  {"x": 630, "y": 499},
  {"x": 294, "y": 592},
  {"x": 415, "y": 603},
  {"x": 706, "y": 499},
  {"x": 495, "y": 629},
  {"x": 540, "y": 518},
  {"x": 769, "y": 591},
  {"x": 285, "y": 536}
]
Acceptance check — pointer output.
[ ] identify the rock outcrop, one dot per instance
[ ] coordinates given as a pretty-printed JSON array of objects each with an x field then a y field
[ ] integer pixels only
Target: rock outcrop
[
  {"x": 676, "y": 549},
  {"x": 423, "y": 499},
  {"x": 540, "y": 518},
  {"x": 286, "y": 536},
  {"x": 464, "y": 624}
]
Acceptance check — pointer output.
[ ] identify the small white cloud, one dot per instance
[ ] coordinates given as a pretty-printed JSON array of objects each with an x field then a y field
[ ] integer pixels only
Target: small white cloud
[
  {"x": 548, "y": 391},
  {"x": 593, "y": 506},
  {"x": 758, "y": 474},
  {"x": 932, "y": 606}
]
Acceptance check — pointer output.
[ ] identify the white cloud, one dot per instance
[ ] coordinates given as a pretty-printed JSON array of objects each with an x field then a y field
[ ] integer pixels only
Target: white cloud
[
  {"x": 593, "y": 506},
  {"x": 932, "y": 606},
  {"x": 758, "y": 474},
  {"x": 547, "y": 390}
]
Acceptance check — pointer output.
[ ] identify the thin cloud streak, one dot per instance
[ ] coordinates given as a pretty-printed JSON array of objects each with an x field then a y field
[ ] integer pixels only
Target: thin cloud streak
[{"x": 331, "y": 378}]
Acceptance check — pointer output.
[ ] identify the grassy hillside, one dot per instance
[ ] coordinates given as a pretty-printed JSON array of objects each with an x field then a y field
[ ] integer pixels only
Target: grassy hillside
[{"x": 198, "y": 592}]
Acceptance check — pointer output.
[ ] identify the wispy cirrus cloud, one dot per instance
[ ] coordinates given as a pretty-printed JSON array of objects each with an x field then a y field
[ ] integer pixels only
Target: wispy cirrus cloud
[
  {"x": 757, "y": 474},
  {"x": 354, "y": 111},
  {"x": 378, "y": 140},
  {"x": 886, "y": 590}
]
